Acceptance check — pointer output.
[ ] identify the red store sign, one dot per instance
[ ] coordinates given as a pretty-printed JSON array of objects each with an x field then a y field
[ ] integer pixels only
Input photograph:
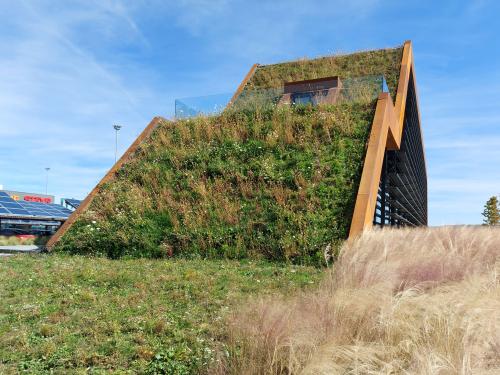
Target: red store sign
[{"x": 32, "y": 198}]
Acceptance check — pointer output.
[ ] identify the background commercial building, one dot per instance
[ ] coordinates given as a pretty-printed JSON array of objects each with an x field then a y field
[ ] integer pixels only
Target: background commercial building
[{"x": 32, "y": 213}]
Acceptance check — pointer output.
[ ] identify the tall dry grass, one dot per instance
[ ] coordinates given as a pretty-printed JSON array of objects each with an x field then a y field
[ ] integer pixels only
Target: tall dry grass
[{"x": 408, "y": 301}]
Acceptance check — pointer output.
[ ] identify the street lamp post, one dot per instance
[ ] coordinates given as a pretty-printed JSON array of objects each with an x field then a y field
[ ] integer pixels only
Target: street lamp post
[
  {"x": 116, "y": 127},
  {"x": 47, "y": 169}
]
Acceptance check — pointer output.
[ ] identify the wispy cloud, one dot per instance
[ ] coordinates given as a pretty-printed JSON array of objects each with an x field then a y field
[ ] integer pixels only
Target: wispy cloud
[{"x": 58, "y": 101}]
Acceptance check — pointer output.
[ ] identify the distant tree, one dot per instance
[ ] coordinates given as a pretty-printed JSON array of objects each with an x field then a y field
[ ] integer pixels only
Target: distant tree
[{"x": 491, "y": 212}]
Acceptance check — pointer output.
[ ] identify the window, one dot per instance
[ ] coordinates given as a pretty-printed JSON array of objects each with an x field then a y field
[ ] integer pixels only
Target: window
[
  {"x": 311, "y": 97},
  {"x": 313, "y": 91}
]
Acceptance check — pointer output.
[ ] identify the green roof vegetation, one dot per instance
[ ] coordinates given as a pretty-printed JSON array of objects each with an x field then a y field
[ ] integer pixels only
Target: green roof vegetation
[
  {"x": 279, "y": 184},
  {"x": 273, "y": 182},
  {"x": 386, "y": 62},
  {"x": 258, "y": 182}
]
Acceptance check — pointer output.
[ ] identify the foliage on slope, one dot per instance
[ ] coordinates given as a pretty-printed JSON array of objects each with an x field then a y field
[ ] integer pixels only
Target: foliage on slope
[
  {"x": 400, "y": 301},
  {"x": 386, "y": 62},
  {"x": 279, "y": 183},
  {"x": 79, "y": 315}
]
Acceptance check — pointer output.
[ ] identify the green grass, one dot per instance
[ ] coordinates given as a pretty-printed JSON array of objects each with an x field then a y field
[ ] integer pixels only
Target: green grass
[
  {"x": 72, "y": 314},
  {"x": 13, "y": 240}
]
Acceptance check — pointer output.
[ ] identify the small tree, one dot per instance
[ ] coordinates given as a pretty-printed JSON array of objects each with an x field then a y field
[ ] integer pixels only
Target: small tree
[{"x": 491, "y": 212}]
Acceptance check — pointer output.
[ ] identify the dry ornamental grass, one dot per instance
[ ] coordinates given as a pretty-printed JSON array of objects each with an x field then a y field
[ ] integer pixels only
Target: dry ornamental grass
[{"x": 421, "y": 301}]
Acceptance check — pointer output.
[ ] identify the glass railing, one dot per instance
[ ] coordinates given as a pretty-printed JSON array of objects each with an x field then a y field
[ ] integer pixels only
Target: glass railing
[
  {"x": 356, "y": 89},
  {"x": 201, "y": 105}
]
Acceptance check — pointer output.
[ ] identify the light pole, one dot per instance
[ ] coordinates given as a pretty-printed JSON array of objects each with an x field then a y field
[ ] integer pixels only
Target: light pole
[
  {"x": 47, "y": 169},
  {"x": 116, "y": 127}
]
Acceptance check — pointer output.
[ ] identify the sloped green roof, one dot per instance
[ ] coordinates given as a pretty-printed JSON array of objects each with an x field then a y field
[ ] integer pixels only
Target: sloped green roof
[{"x": 386, "y": 62}]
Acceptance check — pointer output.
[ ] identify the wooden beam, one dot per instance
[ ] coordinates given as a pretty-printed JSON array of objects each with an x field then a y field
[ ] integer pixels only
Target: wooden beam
[
  {"x": 404, "y": 79},
  {"x": 108, "y": 176},
  {"x": 243, "y": 84},
  {"x": 366, "y": 200}
]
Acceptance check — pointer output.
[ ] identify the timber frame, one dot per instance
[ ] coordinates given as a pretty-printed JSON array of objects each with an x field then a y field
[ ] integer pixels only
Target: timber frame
[
  {"x": 243, "y": 84},
  {"x": 393, "y": 186}
]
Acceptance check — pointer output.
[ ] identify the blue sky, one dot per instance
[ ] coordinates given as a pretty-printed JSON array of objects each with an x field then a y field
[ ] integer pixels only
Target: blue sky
[{"x": 69, "y": 70}]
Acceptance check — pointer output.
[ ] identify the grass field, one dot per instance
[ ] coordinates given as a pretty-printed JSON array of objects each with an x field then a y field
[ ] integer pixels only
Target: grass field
[
  {"x": 13, "y": 240},
  {"x": 70, "y": 314}
]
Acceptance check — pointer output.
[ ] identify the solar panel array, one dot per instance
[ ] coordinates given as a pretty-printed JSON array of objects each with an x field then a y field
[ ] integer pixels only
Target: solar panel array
[
  {"x": 73, "y": 202},
  {"x": 11, "y": 207}
]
